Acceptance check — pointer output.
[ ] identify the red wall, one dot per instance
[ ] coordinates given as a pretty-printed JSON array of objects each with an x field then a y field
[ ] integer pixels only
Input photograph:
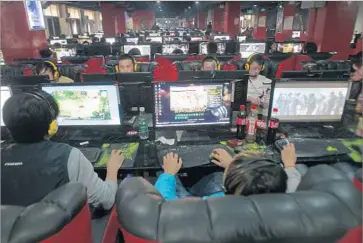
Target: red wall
[
  {"x": 17, "y": 41},
  {"x": 202, "y": 20},
  {"x": 218, "y": 22},
  {"x": 232, "y": 12},
  {"x": 259, "y": 33},
  {"x": 143, "y": 19},
  {"x": 113, "y": 20},
  {"x": 285, "y": 35}
]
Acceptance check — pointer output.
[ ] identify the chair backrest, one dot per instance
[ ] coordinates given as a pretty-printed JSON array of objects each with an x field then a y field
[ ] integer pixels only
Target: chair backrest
[
  {"x": 62, "y": 216},
  {"x": 324, "y": 209}
]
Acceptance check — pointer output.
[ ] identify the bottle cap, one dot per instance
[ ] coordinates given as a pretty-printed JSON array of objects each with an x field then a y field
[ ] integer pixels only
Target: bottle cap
[
  {"x": 253, "y": 107},
  {"x": 242, "y": 107},
  {"x": 275, "y": 110},
  {"x": 142, "y": 109}
]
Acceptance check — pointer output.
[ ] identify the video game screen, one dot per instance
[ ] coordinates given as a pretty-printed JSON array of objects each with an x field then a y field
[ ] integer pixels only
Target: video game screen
[
  {"x": 203, "y": 48},
  {"x": 110, "y": 40},
  {"x": 196, "y": 38},
  {"x": 169, "y": 48},
  {"x": 4, "y": 96},
  {"x": 290, "y": 47},
  {"x": 296, "y": 34},
  {"x": 132, "y": 40},
  {"x": 310, "y": 101},
  {"x": 241, "y": 38},
  {"x": 247, "y": 49},
  {"x": 86, "y": 105},
  {"x": 144, "y": 49},
  {"x": 221, "y": 37},
  {"x": 186, "y": 104},
  {"x": 157, "y": 39},
  {"x": 65, "y": 52}
]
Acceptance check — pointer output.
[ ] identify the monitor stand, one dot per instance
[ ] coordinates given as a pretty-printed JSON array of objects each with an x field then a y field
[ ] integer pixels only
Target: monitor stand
[{"x": 86, "y": 135}]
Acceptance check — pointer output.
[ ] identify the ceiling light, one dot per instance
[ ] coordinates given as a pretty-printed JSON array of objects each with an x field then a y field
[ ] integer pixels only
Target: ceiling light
[
  {"x": 255, "y": 5},
  {"x": 196, "y": 2}
]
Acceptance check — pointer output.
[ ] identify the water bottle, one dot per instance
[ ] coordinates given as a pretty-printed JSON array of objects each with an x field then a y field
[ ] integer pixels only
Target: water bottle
[{"x": 143, "y": 125}]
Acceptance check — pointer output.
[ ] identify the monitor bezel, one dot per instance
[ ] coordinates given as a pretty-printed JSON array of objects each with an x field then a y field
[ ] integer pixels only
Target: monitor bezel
[
  {"x": 193, "y": 125},
  {"x": 305, "y": 80},
  {"x": 110, "y": 126}
]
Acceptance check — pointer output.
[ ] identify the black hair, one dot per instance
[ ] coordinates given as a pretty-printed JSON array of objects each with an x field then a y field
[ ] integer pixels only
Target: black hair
[
  {"x": 310, "y": 48},
  {"x": 126, "y": 57},
  {"x": 46, "y": 53},
  {"x": 178, "y": 51},
  {"x": 103, "y": 40},
  {"x": 254, "y": 176},
  {"x": 44, "y": 66},
  {"x": 209, "y": 59},
  {"x": 257, "y": 58},
  {"x": 28, "y": 117},
  {"x": 134, "y": 52},
  {"x": 212, "y": 48}
]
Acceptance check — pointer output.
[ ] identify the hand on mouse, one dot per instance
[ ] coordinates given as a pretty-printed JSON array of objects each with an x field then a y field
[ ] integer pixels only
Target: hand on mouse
[
  {"x": 116, "y": 160},
  {"x": 221, "y": 158},
  {"x": 172, "y": 163},
  {"x": 288, "y": 156}
]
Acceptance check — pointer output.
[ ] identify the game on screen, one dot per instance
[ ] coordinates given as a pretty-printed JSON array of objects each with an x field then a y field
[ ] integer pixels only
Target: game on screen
[{"x": 192, "y": 104}]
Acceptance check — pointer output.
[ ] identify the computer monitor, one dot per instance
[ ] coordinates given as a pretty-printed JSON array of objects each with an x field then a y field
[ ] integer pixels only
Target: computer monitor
[
  {"x": 294, "y": 74},
  {"x": 241, "y": 38},
  {"x": 221, "y": 37},
  {"x": 154, "y": 34},
  {"x": 196, "y": 38},
  {"x": 60, "y": 41},
  {"x": 5, "y": 95},
  {"x": 86, "y": 104},
  {"x": 136, "y": 77},
  {"x": 310, "y": 101},
  {"x": 64, "y": 52},
  {"x": 172, "y": 38},
  {"x": 192, "y": 103},
  {"x": 30, "y": 80},
  {"x": 99, "y": 77},
  {"x": 157, "y": 39},
  {"x": 296, "y": 34},
  {"x": 133, "y": 40},
  {"x": 169, "y": 48},
  {"x": 110, "y": 40},
  {"x": 221, "y": 48},
  {"x": 144, "y": 49},
  {"x": 290, "y": 47},
  {"x": 247, "y": 49}
]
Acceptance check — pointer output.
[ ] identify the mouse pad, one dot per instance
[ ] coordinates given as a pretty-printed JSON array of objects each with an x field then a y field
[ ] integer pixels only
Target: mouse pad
[
  {"x": 129, "y": 150},
  {"x": 353, "y": 145},
  {"x": 316, "y": 148}
]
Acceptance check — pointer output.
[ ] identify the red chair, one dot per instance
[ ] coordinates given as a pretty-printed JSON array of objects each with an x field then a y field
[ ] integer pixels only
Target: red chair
[
  {"x": 94, "y": 64},
  {"x": 286, "y": 62},
  {"x": 167, "y": 71},
  {"x": 62, "y": 216}
]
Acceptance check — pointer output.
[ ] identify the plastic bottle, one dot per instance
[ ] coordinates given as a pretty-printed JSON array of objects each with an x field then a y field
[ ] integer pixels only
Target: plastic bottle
[
  {"x": 273, "y": 125},
  {"x": 241, "y": 123},
  {"x": 251, "y": 125},
  {"x": 143, "y": 125}
]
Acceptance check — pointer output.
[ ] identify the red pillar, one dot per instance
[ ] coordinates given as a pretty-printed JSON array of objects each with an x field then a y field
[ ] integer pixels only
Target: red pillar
[
  {"x": 143, "y": 19},
  {"x": 113, "y": 19},
  {"x": 288, "y": 17},
  {"x": 17, "y": 41},
  {"x": 259, "y": 33},
  {"x": 232, "y": 18},
  {"x": 218, "y": 19},
  {"x": 332, "y": 26},
  {"x": 202, "y": 20}
]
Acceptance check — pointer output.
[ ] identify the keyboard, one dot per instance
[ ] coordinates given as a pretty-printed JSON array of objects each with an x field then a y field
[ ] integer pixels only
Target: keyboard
[
  {"x": 92, "y": 154},
  {"x": 192, "y": 155}
]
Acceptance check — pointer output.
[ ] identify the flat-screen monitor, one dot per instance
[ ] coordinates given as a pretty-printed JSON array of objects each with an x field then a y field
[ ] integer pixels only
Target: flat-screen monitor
[
  {"x": 221, "y": 37},
  {"x": 310, "y": 101},
  {"x": 157, "y": 39},
  {"x": 86, "y": 104},
  {"x": 154, "y": 34},
  {"x": 136, "y": 77},
  {"x": 110, "y": 40},
  {"x": 296, "y": 34},
  {"x": 203, "y": 48},
  {"x": 172, "y": 38},
  {"x": 30, "y": 80},
  {"x": 99, "y": 77},
  {"x": 290, "y": 47},
  {"x": 247, "y": 49},
  {"x": 65, "y": 52},
  {"x": 60, "y": 41},
  {"x": 169, "y": 48},
  {"x": 5, "y": 95},
  {"x": 144, "y": 49},
  {"x": 133, "y": 40},
  {"x": 192, "y": 103},
  {"x": 241, "y": 38},
  {"x": 196, "y": 38}
]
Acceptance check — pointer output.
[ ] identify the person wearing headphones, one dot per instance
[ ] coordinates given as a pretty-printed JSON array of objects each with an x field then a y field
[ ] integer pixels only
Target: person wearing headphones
[
  {"x": 210, "y": 63},
  {"x": 51, "y": 70},
  {"x": 256, "y": 92},
  {"x": 35, "y": 166},
  {"x": 244, "y": 174},
  {"x": 126, "y": 64}
]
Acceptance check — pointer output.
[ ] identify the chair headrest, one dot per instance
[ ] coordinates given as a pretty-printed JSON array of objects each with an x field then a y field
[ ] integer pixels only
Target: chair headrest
[{"x": 312, "y": 214}]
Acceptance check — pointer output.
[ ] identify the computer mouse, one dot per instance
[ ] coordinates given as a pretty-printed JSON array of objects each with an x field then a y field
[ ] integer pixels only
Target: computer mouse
[{"x": 281, "y": 143}]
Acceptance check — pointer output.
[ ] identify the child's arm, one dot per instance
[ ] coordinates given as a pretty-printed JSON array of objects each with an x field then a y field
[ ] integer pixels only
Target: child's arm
[
  {"x": 293, "y": 179},
  {"x": 288, "y": 156}
]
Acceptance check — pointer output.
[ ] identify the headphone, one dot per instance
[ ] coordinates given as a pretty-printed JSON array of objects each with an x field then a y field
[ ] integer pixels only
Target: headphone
[
  {"x": 55, "y": 69},
  {"x": 218, "y": 68},
  {"x": 136, "y": 66},
  {"x": 53, "y": 126},
  {"x": 248, "y": 62}
]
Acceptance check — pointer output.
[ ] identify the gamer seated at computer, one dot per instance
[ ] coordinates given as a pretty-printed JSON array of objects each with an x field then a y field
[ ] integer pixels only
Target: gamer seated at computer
[
  {"x": 245, "y": 174},
  {"x": 50, "y": 69},
  {"x": 210, "y": 63},
  {"x": 126, "y": 64},
  {"x": 256, "y": 91},
  {"x": 34, "y": 166}
]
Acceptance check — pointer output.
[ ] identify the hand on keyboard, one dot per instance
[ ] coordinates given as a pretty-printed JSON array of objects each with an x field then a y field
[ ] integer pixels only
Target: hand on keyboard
[
  {"x": 221, "y": 158},
  {"x": 115, "y": 161},
  {"x": 288, "y": 156},
  {"x": 172, "y": 163}
]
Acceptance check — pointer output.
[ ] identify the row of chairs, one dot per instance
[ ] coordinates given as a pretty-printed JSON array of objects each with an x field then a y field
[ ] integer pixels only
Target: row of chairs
[{"x": 325, "y": 208}]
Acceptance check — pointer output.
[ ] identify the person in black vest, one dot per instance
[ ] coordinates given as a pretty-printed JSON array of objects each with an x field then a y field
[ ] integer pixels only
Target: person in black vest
[{"x": 34, "y": 166}]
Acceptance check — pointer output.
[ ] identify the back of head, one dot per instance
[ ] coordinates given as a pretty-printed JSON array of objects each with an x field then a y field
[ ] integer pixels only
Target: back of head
[
  {"x": 178, "y": 51},
  {"x": 134, "y": 52},
  {"x": 250, "y": 176},
  {"x": 46, "y": 53},
  {"x": 212, "y": 48},
  {"x": 28, "y": 116},
  {"x": 310, "y": 48}
]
